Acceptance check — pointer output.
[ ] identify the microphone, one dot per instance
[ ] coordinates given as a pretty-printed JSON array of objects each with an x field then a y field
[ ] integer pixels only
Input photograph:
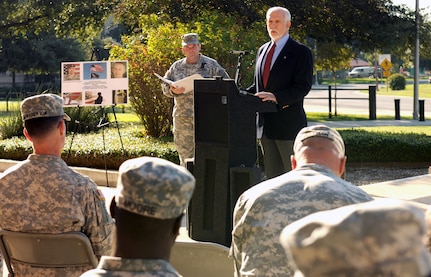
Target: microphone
[{"x": 240, "y": 52}]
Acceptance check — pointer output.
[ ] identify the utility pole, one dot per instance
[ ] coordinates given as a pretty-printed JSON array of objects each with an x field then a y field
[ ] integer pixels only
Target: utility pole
[
  {"x": 416, "y": 77},
  {"x": 315, "y": 58}
]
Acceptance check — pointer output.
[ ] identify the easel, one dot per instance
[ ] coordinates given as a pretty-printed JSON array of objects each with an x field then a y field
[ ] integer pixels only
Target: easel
[{"x": 102, "y": 124}]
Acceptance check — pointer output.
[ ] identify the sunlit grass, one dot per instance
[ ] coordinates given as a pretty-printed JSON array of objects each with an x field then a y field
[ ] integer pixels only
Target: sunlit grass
[
  {"x": 129, "y": 117},
  {"x": 424, "y": 91}
]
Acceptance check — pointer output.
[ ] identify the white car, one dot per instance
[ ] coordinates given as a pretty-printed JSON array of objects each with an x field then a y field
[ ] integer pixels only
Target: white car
[{"x": 361, "y": 72}]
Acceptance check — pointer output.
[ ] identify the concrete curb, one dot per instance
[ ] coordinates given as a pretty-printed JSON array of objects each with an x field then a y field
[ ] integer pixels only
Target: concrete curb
[{"x": 100, "y": 177}]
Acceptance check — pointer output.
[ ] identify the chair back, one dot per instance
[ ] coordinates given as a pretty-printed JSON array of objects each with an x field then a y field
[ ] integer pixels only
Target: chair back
[
  {"x": 47, "y": 250},
  {"x": 195, "y": 258}
]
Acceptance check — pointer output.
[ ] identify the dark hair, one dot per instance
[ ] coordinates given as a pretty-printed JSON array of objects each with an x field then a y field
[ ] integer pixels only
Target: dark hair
[{"x": 39, "y": 127}]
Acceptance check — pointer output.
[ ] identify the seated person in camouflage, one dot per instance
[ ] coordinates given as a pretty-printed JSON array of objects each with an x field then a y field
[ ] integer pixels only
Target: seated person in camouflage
[
  {"x": 43, "y": 195},
  {"x": 428, "y": 220},
  {"x": 384, "y": 237},
  {"x": 264, "y": 210},
  {"x": 152, "y": 195}
]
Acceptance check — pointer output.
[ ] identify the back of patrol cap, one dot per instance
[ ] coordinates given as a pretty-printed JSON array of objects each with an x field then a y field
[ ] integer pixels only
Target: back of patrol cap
[
  {"x": 382, "y": 237},
  {"x": 154, "y": 187},
  {"x": 43, "y": 105},
  {"x": 322, "y": 131}
]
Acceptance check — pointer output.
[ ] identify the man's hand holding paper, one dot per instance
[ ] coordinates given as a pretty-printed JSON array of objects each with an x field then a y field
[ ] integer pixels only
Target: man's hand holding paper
[{"x": 177, "y": 90}]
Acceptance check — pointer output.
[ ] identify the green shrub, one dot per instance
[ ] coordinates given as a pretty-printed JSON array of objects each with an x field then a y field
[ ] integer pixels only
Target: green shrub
[
  {"x": 145, "y": 92},
  {"x": 95, "y": 149},
  {"x": 11, "y": 125},
  {"x": 83, "y": 120},
  {"x": 86, "y": 119},
  {"x": 397, "y": 82},
  {"x": 106, "y": 147},
  {"x": 366, "y": 147}
]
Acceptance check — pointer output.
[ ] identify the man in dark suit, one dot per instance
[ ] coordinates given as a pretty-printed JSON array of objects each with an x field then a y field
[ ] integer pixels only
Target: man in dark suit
[{"x": 286, "y": 79}]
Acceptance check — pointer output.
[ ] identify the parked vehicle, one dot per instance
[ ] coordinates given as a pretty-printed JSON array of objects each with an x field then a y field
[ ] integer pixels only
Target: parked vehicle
[{"x": 362, "y": 71}]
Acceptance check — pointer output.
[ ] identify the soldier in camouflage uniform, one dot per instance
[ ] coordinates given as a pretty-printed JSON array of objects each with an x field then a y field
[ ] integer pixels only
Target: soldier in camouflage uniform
[
  {"x": 183, "y": 112},
  {"x": 152, "y": 195},
  {"x": 428, "y": 220},
  {"x": 382, "y": 238},
  {"x": 43, "y": 195},
  {"x": 264, "y": 210}
]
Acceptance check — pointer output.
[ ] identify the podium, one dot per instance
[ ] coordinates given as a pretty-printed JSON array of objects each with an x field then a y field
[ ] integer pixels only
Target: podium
[{"x": 225, "y": 163}]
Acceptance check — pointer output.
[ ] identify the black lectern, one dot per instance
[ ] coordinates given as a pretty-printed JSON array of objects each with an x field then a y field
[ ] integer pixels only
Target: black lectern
[{"x": 225, "y": 156}]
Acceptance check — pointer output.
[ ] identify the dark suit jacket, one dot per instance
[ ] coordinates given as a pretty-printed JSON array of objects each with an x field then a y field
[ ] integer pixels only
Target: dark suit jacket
[{"x": 290, "y": 80}]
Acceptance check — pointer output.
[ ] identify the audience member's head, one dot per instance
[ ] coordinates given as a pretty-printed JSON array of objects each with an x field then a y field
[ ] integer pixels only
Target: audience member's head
[
  {"x": 42, "y": 106},
  {"x": 382, "y": 237},
  {"x": 43, "y": 116},
  {"x": 152, "y": 196},
  {"x": 322, "y": 145}
]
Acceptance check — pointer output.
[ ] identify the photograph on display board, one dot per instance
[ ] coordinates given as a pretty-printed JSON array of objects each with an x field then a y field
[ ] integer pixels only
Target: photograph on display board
[
  {"x": 119, "y": 96},
  {"x": 118, "y": 69},
  {"x": 71, "y": 72},
  {"x": 93, "y": 97},
  {"x": 94, "y": 70},
  {"x": 72, "y": 98}
]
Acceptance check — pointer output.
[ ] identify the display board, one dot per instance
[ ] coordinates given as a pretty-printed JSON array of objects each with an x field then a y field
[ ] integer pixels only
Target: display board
[{"x": 95, "y": 83}]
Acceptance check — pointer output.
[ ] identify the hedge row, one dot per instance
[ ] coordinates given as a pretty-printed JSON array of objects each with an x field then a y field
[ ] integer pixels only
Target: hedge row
[
  {"x": 94, "y": 149},
  {"x": 386, "y": 147}
]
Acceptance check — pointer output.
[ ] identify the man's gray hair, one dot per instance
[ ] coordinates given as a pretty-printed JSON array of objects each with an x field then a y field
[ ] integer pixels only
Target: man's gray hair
[{"x": 285, "y": 11}]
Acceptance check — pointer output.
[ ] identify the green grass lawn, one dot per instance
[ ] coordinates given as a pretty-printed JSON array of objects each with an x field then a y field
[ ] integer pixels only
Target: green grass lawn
[
  {"x": 128, "y": 117},
  {"x": 424, "y": 91}
]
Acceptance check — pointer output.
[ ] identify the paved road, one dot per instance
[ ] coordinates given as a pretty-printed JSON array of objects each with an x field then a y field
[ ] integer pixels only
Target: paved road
[{"x": 317, "y": 101}]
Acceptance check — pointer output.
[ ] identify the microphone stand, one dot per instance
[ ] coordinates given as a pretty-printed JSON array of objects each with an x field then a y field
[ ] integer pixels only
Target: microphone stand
[{"x": 238, "y": 71}]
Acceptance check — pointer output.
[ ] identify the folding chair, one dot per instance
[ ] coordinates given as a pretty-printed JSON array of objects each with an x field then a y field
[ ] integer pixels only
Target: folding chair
[
  {"x": 46, "y": 250},
  {"x": 195, "y": 259}
]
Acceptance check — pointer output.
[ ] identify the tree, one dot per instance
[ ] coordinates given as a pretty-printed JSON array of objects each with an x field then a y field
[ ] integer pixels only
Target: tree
[
  {"x": 159, "y": 45},
  {"x": 240, "y": 25},
  {"x": 145, "y": 95},
  {"x": 38, "y": 54},
  {"x": 364, "y": 26},
  {"x": 333, "y": 57},
  {"x": 81, "y": 19},
  {"x": 377, "y": 23},
  {"x": 36, "y": 35}
]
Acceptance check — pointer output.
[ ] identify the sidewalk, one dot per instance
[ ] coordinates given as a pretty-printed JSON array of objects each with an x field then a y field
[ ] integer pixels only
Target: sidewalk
[{"x": 371, "y": 123}]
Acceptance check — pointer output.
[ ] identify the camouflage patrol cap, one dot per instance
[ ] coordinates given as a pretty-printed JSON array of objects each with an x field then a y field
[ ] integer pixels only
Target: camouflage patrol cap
[
  {"x": 154, "y": 187},
  {"x": 382, "y": 237},
  {"x": 191, "y": 38},
  {"x": 319, "y": 130},
  {"x": 43, "y": 105}
]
